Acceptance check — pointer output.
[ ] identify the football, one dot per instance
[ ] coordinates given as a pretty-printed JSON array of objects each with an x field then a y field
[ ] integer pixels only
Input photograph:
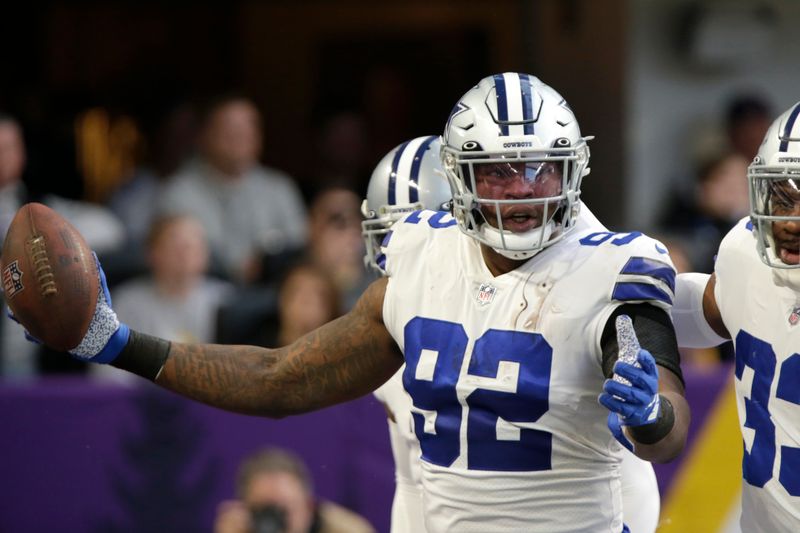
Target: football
[{"x": 50, "y": 279}]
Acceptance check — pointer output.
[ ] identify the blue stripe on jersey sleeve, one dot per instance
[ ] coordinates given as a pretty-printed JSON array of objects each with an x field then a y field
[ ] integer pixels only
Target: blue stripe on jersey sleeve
[
  {"x": 380, "y": 260},
  {"x": 644, "y": 266},
  {"x": 632, "y": 291},
  {"x": 386, "y": 239}
]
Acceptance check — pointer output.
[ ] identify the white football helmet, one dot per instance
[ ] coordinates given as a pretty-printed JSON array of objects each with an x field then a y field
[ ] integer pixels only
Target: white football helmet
[
  {"x": 774, "y": 180},
  {"x": 517, "y": 122},
  {"x": 409, "y": 178}
]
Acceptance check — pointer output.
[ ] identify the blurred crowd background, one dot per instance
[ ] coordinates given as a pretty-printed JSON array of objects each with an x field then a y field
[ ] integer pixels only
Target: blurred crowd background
[{"x": 215, "y": 154}]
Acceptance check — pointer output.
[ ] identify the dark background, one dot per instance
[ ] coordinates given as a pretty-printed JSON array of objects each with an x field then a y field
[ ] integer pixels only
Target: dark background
[{"x": 403, "y": 64}]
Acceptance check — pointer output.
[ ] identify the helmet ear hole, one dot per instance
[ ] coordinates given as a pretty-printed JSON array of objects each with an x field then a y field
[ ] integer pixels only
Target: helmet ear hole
[
  {"x": 562, "y": 142},
  {"x": 470, "y": 146}
]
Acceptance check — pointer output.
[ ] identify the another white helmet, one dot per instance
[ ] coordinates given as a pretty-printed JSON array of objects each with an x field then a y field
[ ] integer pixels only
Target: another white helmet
[
  {"x": 774, "y": 180},
  {"x": 409, "y": 178},
  {"x": 514, "y": 118}
]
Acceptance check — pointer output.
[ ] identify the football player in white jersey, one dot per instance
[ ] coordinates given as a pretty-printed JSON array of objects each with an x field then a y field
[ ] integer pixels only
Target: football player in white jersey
[
  {"x": 504, "y": 314},
  {"x": 753, "y": 297},
  {"x": 411, "y": 178}
]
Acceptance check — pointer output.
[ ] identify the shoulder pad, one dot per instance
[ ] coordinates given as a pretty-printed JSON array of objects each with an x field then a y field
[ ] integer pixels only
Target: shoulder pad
[{"x": 642, "y": 268}]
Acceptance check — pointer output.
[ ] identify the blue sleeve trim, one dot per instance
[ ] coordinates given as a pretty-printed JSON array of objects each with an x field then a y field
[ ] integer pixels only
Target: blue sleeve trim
[
  {"x": 645, "y": 266},
  {"x": 386, "y": 239},
  {"x": 632, "y": 291}
]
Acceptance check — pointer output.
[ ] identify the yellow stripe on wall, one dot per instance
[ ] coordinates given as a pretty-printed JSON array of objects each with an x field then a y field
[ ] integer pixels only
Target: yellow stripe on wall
[{"x": 709, "y": 482}]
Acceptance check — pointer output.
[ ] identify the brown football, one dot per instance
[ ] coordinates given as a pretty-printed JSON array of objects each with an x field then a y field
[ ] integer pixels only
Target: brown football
[{"x": 49, "y": 276}]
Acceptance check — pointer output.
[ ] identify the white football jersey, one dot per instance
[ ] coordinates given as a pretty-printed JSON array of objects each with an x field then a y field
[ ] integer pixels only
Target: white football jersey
[
  {"x": 641, "y": 501},
  {"x": 407, "y": 508},
  {"x": 763, "y": 317},
  {"x": 504, "y": 372}
]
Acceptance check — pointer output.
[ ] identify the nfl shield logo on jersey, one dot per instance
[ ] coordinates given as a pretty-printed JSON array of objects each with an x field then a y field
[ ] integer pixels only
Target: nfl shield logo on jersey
[
  {"x": 794, "y": 316},
  {"x": 486, "y": 294}
]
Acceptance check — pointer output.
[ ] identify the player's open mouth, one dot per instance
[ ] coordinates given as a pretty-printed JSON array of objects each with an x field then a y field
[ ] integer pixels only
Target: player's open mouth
[
  {"x": 789, "y": 253},
  {"x": 519, "y": 222}
]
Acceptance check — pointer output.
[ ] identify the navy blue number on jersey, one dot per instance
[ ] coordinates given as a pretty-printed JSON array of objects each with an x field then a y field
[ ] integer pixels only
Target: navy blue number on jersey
[
  {"x": 599, "y": 237},
  {"x": 434, "y": 389},
  {"x": 434, "y": 221},
  {"x": 757, "y": 464}
]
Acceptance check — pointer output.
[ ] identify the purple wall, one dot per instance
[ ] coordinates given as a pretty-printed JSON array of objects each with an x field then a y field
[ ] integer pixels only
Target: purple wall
[
  {"x": 77, "y": 456},
  {"x": 83, "y": 457}
]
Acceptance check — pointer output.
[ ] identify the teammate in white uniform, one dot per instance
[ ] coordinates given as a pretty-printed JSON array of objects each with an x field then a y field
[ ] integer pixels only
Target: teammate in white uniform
[
  {"x": 753, "y": 297},
  {"x": 504, "y": 314},
  {"x": 409, "y": 178}
]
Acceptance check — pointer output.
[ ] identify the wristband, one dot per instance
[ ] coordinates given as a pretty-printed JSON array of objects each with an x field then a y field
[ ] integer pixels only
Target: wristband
[
  {"x": 654, "y": 432},
  {"x": 143, "y": 355}
]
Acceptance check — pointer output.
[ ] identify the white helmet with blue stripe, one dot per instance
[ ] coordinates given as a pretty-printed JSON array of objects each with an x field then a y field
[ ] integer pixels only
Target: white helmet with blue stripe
[
  {"x": 409, "y": 178},
  {"x": 774, "y": 179},
  {"x": 515, "y": 120}
]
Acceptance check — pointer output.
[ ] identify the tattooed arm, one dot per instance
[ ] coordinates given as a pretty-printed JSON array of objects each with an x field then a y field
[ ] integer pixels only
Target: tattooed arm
[{"x": 339, "y": 361}]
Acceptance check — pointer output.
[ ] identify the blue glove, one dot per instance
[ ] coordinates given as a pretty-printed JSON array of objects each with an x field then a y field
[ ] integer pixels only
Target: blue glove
[
  {"x": 106, "y": 336},
  {"x": 28, "y": 336},
  {"x": 637, "y": 402},
  {"x": 615, "y": 425}
]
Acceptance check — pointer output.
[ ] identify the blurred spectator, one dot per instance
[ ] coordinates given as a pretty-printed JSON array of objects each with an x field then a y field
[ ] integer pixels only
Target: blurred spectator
[
  {"x": 176, "y": 301},
  {"x": 335, "y": 241},
  {"x": 12, "y": 164},
  {"x": 17, "y": 356},
  {"x": 307, "y": 299},
  {"x": 275, "y": 495},
  {"x": 172, "y": 143},
  {"x": 247, "y": 210},
  {"x": 101, "y": 229},
  {"x": 720, "y": 200},
  {"x": 747, "y": 120},
  {"x": 702, "y": 358}
]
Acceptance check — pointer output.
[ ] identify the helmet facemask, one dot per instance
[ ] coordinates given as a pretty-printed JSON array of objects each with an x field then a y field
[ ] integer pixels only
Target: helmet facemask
[
  {"x": 774, "y": 182},
  {"x": 775, "y": 199},
  {"x": 517, "y": 224},
  {"x": 377, "y": 224}
]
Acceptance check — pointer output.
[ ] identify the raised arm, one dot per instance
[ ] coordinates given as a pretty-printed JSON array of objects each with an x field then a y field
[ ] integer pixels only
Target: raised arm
[
  {"x": 649, "y": 413},
  {"x": 339, "y": 361}
]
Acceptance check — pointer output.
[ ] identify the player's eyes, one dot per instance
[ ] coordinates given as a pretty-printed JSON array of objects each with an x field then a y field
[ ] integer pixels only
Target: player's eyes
[{"x": 495, "y": 171}]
